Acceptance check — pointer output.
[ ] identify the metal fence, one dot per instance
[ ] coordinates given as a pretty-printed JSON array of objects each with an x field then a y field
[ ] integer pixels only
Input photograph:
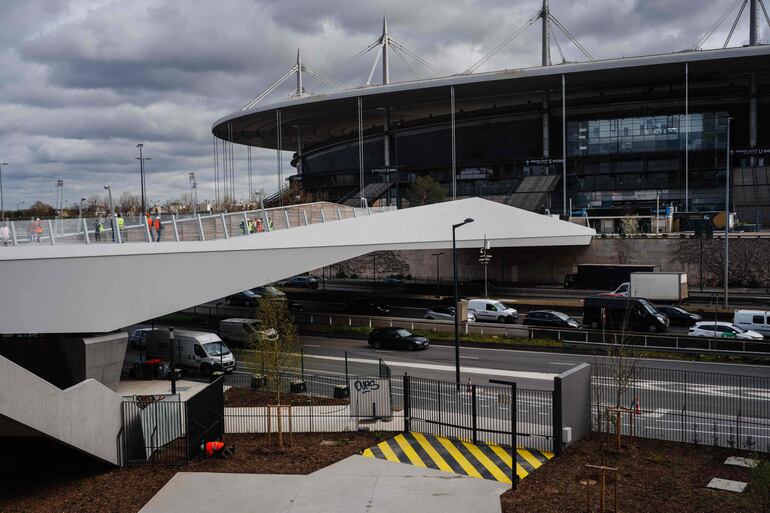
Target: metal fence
[
  {"x": 703, "y": 408},
  {"x": 184, "y": 227}
]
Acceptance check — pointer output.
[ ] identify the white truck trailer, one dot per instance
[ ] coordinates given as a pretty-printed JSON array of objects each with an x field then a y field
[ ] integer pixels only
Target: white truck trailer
[{"x": 663, "y": 287}]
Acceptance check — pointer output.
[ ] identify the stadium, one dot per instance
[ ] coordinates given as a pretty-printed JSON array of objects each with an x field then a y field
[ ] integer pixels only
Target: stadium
[{"x": 599, "y": 138}]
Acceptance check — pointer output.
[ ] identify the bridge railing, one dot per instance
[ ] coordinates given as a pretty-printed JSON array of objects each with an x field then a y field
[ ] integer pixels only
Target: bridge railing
[{"x": 183, "y": 227}]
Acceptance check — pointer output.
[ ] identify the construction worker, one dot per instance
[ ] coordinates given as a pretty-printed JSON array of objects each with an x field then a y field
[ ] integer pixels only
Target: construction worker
[
  {"x": 260, "y": 227},
  {"x": 122, "y": 226},
  {"x": 217, "y": 449},
  {"x": 158, "y": 228},
  {"x": 38, "y": 229},
  {"x": 98, "y": 229}
]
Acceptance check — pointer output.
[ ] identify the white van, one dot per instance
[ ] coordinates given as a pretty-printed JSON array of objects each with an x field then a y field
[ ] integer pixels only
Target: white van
[
  {"x": 492, "y": 310},
  {"x": 754, "y": 320},
  {"x": 195, "y": 350},
  {"x": 239, "y": 330}
]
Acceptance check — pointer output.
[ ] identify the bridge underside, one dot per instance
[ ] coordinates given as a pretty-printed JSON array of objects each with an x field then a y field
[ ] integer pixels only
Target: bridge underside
[{"x": 100, "y": 288}]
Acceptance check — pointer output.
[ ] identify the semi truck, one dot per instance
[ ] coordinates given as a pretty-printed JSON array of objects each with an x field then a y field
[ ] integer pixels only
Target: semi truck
[
  {"x": 604, "y": 276},
  {"x": 661, "y": 287}
]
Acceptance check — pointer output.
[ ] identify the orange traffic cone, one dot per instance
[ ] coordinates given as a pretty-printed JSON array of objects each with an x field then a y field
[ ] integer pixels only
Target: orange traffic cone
[{"x": 638, "y": 408}]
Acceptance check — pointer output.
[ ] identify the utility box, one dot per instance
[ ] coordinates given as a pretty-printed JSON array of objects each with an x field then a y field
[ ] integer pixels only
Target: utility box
[
  {"x": 462, "y": 310},
  {"x": 370, "y": 397}
]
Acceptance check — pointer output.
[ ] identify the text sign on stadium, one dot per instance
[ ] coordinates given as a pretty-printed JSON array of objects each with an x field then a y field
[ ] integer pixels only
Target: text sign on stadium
[
  {"x": 544, "y": 162},
  {"x": 384, "y": 170},
  {"x": 751, "y": 152}
]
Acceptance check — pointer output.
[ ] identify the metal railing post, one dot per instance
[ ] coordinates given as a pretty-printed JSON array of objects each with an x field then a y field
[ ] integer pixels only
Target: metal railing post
[
  {"x": 354, "y": 212},
  {"x": 224, "y": 226},
  {"x": 556, "y": 402},
  {"x": 304, "y": 213},
  {"x": 14, "y": 238},
  {"x": 200, "y": 228},
  {"x": 174, "y": 226},
  {"x": 147, "y": 234},
  {"x": 85, "y": 231},
  {"x": 339, "y": 215},
  {"x": 514, "y": 428},
  {"x": 286, "y": 215},
  {"x": 323, "y": 217},
  {"x": 473, "y": 412},
  {"x": 406, "y": 402},
  {"x": 50, "y": 232},
  {"x": 245, "y": 224},
  {"x": 267, "y": 221}
]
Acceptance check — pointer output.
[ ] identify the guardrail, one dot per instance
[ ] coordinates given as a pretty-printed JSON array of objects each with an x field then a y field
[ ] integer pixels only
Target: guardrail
[{"x": 176, "y": 228}]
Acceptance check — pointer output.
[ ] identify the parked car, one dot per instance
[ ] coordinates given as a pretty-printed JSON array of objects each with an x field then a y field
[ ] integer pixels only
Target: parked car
[
  {"x": 754, "y": 320},
  {"x": 300, "y": 282},
  {"x": 243, "y": 330},
  {"x": 550, "y": 318},
  {"x": 720, "y": 329},
  {"x": 445, "y": 313},
  {"x": 245, "y": 298},
  {"x": 492, "y": 310},
  {"x": 365, "y": 306},
  {"x": 397, "y": 338},
  {"x": 138, "y": 337},
  {"x": 269, "y": 292},
  {"x": 678, "y": 316},
  {"x": 622, "y": 314}
]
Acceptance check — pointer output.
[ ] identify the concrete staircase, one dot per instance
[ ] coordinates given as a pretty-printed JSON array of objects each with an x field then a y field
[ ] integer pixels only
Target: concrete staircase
[{"x": 85, "y": 417}]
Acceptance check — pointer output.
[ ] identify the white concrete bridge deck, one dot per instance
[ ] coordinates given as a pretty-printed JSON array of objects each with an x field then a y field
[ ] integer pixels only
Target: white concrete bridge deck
[{"x": 92, "y": 288}]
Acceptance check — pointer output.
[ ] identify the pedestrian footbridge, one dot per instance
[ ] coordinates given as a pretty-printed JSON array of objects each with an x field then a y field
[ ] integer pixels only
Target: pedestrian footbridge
[{"x": 57, "y": 278}]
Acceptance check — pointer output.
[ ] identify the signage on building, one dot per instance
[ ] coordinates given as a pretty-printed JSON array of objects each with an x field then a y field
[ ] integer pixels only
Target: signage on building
[
  {"x": 751, "y": 152},
  {"x": 384, "y": 170},
  {"x": 544, "y": 162}
]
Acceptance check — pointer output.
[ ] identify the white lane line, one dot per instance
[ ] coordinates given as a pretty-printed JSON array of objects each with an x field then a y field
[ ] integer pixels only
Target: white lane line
[
  {"x": 446, "y": 368},
  {"x": 386, "y": 352},
  {"x": 310, "y": 345},
  {"x": 566, "y": 364},
  {"x": 469, "y": 357}
]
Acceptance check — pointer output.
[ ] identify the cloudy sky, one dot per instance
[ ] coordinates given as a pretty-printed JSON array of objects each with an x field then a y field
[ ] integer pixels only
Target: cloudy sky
[{"x": 84, "y": 81}]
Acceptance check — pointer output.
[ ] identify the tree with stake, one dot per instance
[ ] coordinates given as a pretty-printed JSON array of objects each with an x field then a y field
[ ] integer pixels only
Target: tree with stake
[{"x": 275, "y": 353}]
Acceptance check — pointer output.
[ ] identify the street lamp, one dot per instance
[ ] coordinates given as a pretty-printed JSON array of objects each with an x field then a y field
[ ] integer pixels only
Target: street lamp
[
  {"x": 60, "y": 196},
  {"x": 80, "y": 208},
  {"x": 457, "y": 309},
  {"x": 141, "y": 160},
  {"x": 727, "y": 214},
  {"x": 193, "y": 187},
  {"x": 438, "y": 286},
  {"x": 112, "y": 214},
  {"x": 484, "y": 259},
  {"x": 2, "y": 203}
]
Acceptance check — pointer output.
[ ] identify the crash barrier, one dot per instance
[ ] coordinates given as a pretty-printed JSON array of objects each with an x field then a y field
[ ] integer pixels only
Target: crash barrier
[{"x": 724, "y": 410}]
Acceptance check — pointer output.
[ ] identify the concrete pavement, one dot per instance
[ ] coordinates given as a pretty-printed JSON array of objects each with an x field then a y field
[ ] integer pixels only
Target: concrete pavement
[{"x": 353, "y": 485}]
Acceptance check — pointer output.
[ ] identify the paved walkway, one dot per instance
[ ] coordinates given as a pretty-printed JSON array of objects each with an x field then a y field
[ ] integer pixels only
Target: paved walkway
[
  {"x": 486, "y": 461},
  {"x": 353, "y": 485},
  {"x": 184, "y": 388}
]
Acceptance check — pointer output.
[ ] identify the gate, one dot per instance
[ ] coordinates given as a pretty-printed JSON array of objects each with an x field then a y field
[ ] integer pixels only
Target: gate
[
  {"x": 153, "y": 430},
  {"x": 205, "y": 417},
  {"x": 480, "y": 413}
]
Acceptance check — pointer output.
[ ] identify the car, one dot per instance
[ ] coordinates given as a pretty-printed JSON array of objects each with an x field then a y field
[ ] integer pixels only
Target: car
[
  {"x": 245, "y": 298},
  {"x": 550, "y": 318},
  {"x": 755, "y": 320},
  {"x": 269, "y": 292},
  {"x": 295, "y": 306},
  {"x": 721, "y": 329},
  {"x": 300, "y": 282},
  {"x": 678, "y": 316},
  {"x": 622, "y": 314},
  {"x": 397, "y": 338},
  {"x": 492, "y": 310},
  {"x": 138, "y": 337},
  {"x": 445, "y": 313},
  {"x": 365, "y": 306},
  {"x": 240, "y": 331},
  {"x": 392, "y": 280}
]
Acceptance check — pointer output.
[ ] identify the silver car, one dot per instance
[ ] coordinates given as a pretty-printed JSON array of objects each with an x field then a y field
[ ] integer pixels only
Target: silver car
[{"x": 445, "y": 313}]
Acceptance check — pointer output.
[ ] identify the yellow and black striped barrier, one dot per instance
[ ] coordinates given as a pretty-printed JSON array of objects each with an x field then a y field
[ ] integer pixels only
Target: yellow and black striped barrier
[{"x": 485, "y": 461}]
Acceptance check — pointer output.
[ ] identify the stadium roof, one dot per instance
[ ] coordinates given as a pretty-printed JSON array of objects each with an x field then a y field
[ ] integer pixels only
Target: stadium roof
[{"x": 333, "y": 116}]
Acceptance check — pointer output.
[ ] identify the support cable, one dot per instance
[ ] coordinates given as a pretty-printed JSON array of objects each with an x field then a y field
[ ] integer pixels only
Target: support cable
[
  {"x": 349, "y": 61},
  {"x": 571, "y": 37},
  {"x": 270, "y": 89},
  {"x": 329, "y": 80},
  {"x": 767, "y": 18},
  {"x": 715, "y": 26},
  {"x": 406, "y": 63},
  {"x": 558, "y": 45},
  {"x": 502, "y": 44},
  {"x": 735, "y": 24},
  {"x": 374, "y": 66},
  {"x": 416, "y": 57}
]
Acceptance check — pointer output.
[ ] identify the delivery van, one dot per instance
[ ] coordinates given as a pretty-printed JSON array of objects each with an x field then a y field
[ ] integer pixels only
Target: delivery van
[
  {"x": 622, "y": 314},
  {"x": 240, "y": 331},
  {"x": 754, "y": 320},
  {"x": 196, "y": 351}
]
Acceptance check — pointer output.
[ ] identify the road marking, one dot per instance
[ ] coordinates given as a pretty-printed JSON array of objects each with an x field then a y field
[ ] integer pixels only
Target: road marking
[
  {"x": 310, "y": 345},
  {"x": 566, "y": 364},
  {"x": 469, "y": 357}
]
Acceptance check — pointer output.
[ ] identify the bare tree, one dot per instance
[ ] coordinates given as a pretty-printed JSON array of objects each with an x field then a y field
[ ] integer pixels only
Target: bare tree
[
  {"x": 129, "y": 204},
  {"x": 749, "y": 260}
]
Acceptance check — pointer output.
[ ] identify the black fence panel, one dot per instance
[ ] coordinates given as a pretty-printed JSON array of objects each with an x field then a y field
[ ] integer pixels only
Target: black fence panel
[
  {"x": 205, "y": 417},
  {"x": 704, "y": 408}
]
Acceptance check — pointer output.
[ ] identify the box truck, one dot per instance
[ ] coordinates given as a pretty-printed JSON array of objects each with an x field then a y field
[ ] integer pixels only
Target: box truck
[{"x": 662, "y": 287}]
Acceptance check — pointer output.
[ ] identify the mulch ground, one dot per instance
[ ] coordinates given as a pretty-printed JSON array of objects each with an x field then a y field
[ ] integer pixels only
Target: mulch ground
[
  {"x": 250, "y": 397},
  {"x": 655, "y": 477},
  {"x": 126, "y": 490}
]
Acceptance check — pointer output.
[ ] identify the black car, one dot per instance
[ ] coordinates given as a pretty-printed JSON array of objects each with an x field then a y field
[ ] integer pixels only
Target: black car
[
  {"x": 301, "y": 282},
  {"x": 550, "y": 318},
  {"x": 295, "y": 307},
  {"x": 245, "y": 298},
  {"x": 397, "y": 338},
  {"x": 365, "y": 306},
  {"x": 679, "y": 316}
]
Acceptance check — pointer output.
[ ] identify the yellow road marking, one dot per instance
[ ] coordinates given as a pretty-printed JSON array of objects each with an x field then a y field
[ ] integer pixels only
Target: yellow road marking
[
  {"x": 388, "y": 452},
  {"x": 434, "y": 455},
  {"x": 530, "y": 458},
  {"x": 409, "y": 451},
  {"x": 457, "y": 455},
  {"x": 493, "y": 469},
  {"x": 367, "y": 453}
]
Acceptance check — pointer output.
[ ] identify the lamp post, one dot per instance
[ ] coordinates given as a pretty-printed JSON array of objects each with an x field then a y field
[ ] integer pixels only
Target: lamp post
[
  {"x": 438, "y": 286},
  {"x": 80, "y": 208},
  {"x": 457, "y": 310},
  {"x": 193, "y": 187},
  {"x": 2, "y": 203},
  {"x": 484, "y": 259},
  {"x": 59, "y": 196},
  {"x": 141, "y": 160},
  {"x": 114, "y": 222},
  {"x": 727, "y": 214}
]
